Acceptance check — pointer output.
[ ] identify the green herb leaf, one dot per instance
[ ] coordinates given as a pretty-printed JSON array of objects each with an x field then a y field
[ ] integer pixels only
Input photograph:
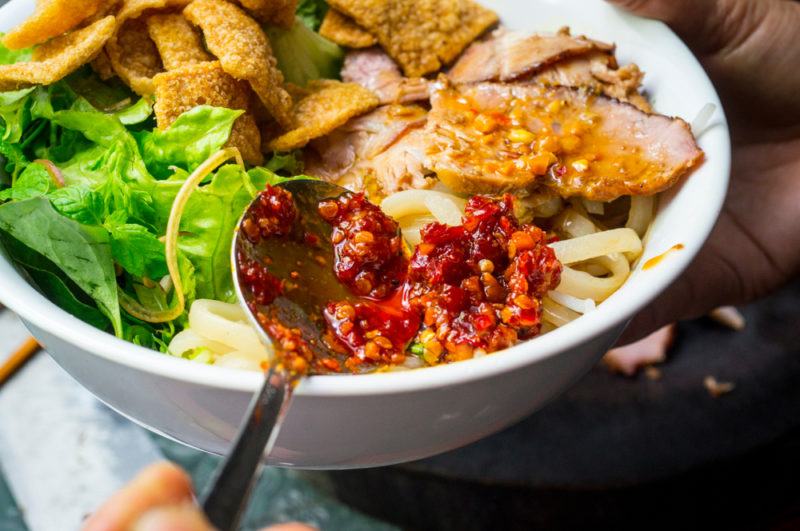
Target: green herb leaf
[
  {"x": 80, "y": 203},
  {"x": 34, "y": 181},
  {"x": 417, "y": 349},
  {"x": 49, "y": 279},
  {"x": 191, "y": 139},
  {"x": 81, "y": 252},
  {"x": 137, "y": 250}
]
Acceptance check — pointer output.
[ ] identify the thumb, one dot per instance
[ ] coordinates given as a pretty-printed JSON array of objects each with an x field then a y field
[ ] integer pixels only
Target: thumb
[
  {"x": 685, "y": 17},
  {"x": 708, "y": 26}
]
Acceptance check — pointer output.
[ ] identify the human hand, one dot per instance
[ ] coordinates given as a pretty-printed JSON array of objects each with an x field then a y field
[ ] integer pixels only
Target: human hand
[
  {"x": 158, "y": 499},
  {"x": 751, "y": 51}
]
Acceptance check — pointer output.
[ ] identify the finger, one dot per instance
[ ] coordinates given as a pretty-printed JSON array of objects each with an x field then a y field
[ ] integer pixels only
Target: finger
[
  {"x": 158, "y": 485},
  {"x": 709, "y": 281},
  {"x": 186, "y": 517},
  {"x": 686, "y": 17}
]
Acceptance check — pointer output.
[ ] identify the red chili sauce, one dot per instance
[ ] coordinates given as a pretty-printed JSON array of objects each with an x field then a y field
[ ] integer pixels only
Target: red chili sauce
[
  {"x": 478, "y": 285},
  {"x": 475, "y": 286}
]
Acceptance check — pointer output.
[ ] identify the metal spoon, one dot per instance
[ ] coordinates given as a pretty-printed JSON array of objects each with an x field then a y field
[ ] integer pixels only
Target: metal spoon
[{"x": 299, "y": 307}]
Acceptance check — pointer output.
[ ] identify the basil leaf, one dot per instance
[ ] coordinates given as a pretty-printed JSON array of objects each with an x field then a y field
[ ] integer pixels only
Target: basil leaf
[{"x": 81, "y": 252}]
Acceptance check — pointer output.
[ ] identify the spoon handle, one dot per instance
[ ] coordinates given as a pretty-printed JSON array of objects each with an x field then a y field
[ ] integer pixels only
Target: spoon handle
[{"x": 226, "y": 498}]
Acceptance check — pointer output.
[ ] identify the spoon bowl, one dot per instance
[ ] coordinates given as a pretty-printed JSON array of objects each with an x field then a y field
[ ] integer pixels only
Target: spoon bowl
[{"x": 301, "y": 260}]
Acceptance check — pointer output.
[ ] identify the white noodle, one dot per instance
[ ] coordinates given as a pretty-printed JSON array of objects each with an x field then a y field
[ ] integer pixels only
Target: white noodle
[
  {"x": 573, "y": 303},
  {"x": 597, "y": 244},
  {"x": 704, "y": 115}
]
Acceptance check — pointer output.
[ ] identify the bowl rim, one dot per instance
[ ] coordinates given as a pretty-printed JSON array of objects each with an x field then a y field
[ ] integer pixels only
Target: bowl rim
[{"x": 34, "y": 308}]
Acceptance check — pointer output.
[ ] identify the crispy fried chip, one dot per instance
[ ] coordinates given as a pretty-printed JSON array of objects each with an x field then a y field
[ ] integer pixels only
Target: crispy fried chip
[
  {"x": 421, "y": 35},
  {"x": 132, "y": 53},
  {"x": 51, "y": 19},
  {"x": 344, "y": 31},
  {"x": 58, "y": 57},
  {"x": 329, "y": 105},
  {"x": 135, "y": 57},
  {"x": 178, "y": 42},
  {"x": 102, "y": 66},
  {"x": 276, "y": 12},
  {"x": 243, "y": 51},
  {"x": 206, "y": 83}
]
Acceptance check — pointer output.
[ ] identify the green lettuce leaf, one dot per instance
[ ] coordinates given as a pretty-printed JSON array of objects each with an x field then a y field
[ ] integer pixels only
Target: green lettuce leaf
[
  {"x": 15, "y": 114},
  {"x": 191, "y": 139},
  {"x": 207, "y": 227},
  {"x": 311, "y": 12},
  {"x": 304, "y": 55},
  {"x": 136, "y": 113},
  {"x": 81, "y": 252},
  {"x": 8, "y": 57}
]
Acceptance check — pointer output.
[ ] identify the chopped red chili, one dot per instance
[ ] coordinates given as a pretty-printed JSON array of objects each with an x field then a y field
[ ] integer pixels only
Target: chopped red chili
[{"x": 367, "y": 246}]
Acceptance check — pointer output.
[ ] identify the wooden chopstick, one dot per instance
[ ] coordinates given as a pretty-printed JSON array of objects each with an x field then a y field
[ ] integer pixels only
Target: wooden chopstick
[{"x": 18, "y": 359}]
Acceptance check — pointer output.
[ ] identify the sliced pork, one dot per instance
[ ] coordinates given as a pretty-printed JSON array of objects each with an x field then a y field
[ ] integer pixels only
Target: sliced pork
[
  {"x": 553, "y": 60},
  {"x": 490, "y": 137},
  {"x": 508, "y": 56},
  {"x": 373, "y": 69},
  {"x": 382, "y": 151}
]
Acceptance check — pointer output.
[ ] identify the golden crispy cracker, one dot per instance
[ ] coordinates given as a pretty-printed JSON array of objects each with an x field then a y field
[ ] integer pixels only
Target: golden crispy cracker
[
  {"x": 58, "y": 57},
  {"x": 421, "y": 35},
  {"x": 344, "y": 31},
  {"x": 51, "y": 19},
  {"x": 243, "y": 51},
  {"x": 178, "y": 42},
  {"x": 102, "y": 66},
  {"x": 182, "y": 89},
  {"x": 132, "y": 53},
  {"x": 135, "y": 57},
  {"x": 329, "y": 105},
  {"x": 275, "y": 12}
]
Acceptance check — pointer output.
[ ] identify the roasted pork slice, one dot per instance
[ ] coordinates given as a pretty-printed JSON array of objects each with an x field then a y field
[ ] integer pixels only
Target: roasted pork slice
[
  {"x": 509, "y": 56},
  {"x": 372, "y": 68},
  {"x": 490, "y": 138},
  {"x": 597, "y": 72},
  {"x": 554, "y": 60},
  {"x": 382, "y": 151}
]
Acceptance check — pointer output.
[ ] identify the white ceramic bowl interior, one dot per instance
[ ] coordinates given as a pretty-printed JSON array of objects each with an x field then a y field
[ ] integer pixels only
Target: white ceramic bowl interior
[{"x": 379, "y": 419}]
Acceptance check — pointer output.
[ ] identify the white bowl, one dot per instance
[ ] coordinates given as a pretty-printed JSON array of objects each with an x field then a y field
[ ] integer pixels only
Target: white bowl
[{"x": 379, "y": 419}]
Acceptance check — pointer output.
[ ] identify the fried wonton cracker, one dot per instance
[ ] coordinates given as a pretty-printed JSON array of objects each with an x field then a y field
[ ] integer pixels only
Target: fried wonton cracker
[
  {"x": 182, "y": 89},
  {"x": 344, "y": 31},
  {"x": 102, "y": 66},
  {"x": 178, "y": 42},
  {"x": 276, "y": 12},
  {"x": 421, "y": 35},
  {"x": 51, "y": 19},
  {"x": 59, "y": 57},
  {"x": 243, "y": 51},
  {"x": 132, "y": 53},
  {"x": 135, "y": 57},
  {"x": 329, "y": 105}
]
